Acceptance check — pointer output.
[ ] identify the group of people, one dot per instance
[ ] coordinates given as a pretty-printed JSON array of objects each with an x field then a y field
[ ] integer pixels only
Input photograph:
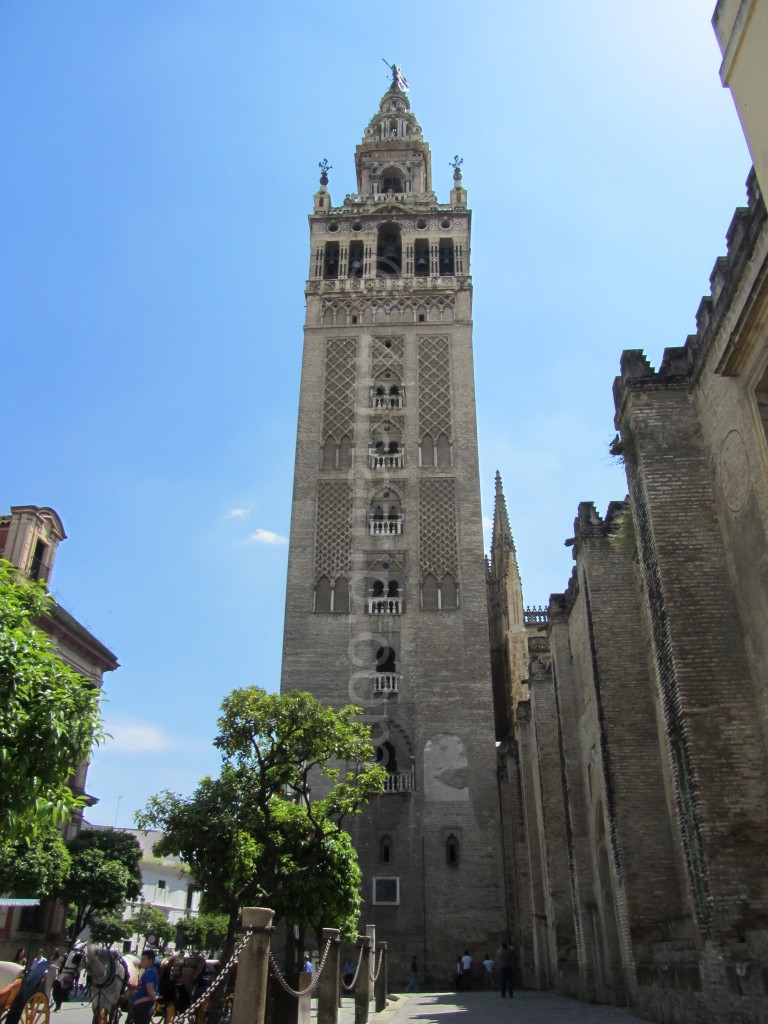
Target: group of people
[
  {"x": 504, "y": 962},
  {"x": 57, "y": 989},
  {"x": 464, "y": 971}
]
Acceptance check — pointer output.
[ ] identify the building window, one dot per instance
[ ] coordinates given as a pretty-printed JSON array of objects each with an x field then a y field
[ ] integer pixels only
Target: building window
[
  {"x": 421, "y": 257},
  {"x": 161, "y": 883},
  {"x": 355, "y": 259},
  {"x": 389, "y": 251},
  {"x": 385, "y": 850},
  {"x": 37, "y": 568},
  {"x": 386, "y": 891},
  {"x": 331, "y": 260},
  {"x": 190, "y": 897},
  {"x": 446, "y": 257}
]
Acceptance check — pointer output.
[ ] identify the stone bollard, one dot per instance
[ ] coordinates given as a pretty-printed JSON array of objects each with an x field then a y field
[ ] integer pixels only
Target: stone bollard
[
  {"x": 363, "y": 987},
  {"x": 253, "y": 967},
  {"x": 380, "y": 985},
  {"x": 328, "y": 986}
]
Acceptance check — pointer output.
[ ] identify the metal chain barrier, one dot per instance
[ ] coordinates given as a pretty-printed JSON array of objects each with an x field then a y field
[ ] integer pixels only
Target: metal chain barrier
[
  {"x": 352, "y": 983},
  {"x": 377, "y": 972},
  {"x": 220, "y": 978},
  {"x": 309, "y": 990}
]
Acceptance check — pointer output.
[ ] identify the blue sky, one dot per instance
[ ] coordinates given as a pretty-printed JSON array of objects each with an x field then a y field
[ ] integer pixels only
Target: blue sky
[{"x": 158, "y": 162}]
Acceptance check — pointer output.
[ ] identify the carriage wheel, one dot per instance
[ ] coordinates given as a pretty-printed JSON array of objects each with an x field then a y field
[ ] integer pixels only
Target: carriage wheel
[{"x": 36, "y": 1010}]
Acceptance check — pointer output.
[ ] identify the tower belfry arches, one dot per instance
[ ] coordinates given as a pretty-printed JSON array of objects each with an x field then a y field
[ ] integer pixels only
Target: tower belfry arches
[{"x": 386, "y": 580}]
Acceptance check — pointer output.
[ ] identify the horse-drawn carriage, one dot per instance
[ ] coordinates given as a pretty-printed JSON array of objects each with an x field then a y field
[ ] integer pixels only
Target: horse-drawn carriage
[
  {"x": 183, "y": 980},
  {"x": 22, "y": 996}
]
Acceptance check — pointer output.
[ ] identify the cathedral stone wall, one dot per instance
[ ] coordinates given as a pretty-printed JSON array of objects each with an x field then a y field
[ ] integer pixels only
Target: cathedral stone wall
[{"x": 658, "y": 796}]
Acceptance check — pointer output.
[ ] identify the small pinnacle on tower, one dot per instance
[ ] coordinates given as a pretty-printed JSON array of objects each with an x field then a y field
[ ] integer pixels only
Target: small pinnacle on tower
[{"x": 324, "y": 168}]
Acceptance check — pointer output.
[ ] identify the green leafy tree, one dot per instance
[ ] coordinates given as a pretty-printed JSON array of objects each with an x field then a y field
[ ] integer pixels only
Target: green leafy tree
[
  {"x": 104, "y": 875},
  {"x": 205, "y": 933},
  {"x": 150, "y": 921},
  {"x": 49, "y": 717},
  {"x": 254, "y": 833},
  {"x": 37, "y": 868},
  {"x": 107, "y": 929}
]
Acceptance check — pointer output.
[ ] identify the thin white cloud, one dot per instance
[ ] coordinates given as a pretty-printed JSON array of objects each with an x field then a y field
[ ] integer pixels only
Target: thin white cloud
[
  {"x": 265, "y": 537},
  {"x": 136, "y": 736},
  {"x": 237, "y": 513},
  {"x": 487, "y": 522}
]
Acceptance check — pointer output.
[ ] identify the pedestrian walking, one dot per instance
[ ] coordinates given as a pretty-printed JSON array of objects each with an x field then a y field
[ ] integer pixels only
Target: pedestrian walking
[
  {"x": 466, "y": 970},
  {"x": 413, "y": 981},
  {"x": 504, "y": 960},
  {"x": 488, "y": 971},
  {"x": 459, "y": 971}
]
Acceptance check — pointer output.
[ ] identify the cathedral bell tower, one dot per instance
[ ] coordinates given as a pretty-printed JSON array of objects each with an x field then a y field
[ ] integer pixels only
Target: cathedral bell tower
[{"x": 386, "y": 599}]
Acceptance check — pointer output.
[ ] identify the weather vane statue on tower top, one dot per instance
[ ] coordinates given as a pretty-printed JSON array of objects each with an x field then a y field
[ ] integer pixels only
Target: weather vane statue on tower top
[{"x": 398, "y": 78}]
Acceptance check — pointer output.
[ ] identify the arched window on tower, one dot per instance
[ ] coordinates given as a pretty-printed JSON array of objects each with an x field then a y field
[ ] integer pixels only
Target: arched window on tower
[
  {"x": 389, "y": 251},
  {"x": 385, "y": 850},
  {"x": 443, "y": 451},
  {"x": 429, "y": 599},
  {"x": 355, "y": 264},
  {"x": 445, "y": 258},
  {"x": 449, "y": 594},
  {"x": 323, "y": 595},
  {"x": 421, "y": 257},
  {"x": 385, "y": 515},
  {"x": 331, "y": 260},
  {"x": 341, "y": 596},
  {"x": 386, "y": 678},
  {"x": 428, "y": 451}
]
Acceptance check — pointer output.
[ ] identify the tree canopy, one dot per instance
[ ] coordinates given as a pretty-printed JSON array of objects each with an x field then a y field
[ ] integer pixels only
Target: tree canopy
[
  {"x": 256, "y": 833},
  {"x": 150, "y": 923},
  {"x": 49, "y": 716},
  {"x": 108, "y": 928},
  {"x": 205, "y": 933},
  {"x": 104, "y": 875},
  {"x": 37, "y": 868}
]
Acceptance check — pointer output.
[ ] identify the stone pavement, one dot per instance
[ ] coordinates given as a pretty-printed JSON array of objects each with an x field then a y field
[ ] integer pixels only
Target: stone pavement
[
  {"x": 449, "y": 1008},
  {"x": 489, "y": 1008}
]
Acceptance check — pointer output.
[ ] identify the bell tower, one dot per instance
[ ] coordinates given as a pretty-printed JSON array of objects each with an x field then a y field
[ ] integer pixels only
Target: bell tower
[{"x": 386, "y": 599}]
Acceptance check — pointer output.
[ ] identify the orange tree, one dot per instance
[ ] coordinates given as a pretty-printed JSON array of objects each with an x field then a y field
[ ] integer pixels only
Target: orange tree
[{"x": 255, "y": 834}]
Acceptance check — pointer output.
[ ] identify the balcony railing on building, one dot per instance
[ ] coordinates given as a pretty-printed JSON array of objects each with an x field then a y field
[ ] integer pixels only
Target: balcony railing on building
[
  {"x": 399, "y": 782},
  {"x": 386, "y": 682},
  {"x": 390, "y": 400},
  {"x": 385, "y": 526},
  {"x": 378, "y": 459},
  {"x": 386, "y": 605}
]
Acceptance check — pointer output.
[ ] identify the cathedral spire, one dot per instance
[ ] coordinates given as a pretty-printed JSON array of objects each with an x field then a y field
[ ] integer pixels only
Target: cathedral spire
[
  {"x": 504, "y": 565},
  {"x": 502, "y": 539},
  {"x": 393, "y": 156}
]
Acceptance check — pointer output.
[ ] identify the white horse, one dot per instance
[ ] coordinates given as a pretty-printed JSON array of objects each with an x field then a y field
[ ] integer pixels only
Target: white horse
[{"x": 112, "y": 976}]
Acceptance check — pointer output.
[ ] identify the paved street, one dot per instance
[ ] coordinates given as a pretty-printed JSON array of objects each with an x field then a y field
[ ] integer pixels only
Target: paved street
[
  {"x": 490, "y": 1008},
  {"x": 450, "y": 1008}
]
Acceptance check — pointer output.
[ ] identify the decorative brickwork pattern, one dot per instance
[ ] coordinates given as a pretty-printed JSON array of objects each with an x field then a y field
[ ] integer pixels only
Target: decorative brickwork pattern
[
  {"x": 438, "y": 551},
  {"x": 340, "y": 312},
  {"x": 339, "y": 396},
  {"x": 387, "y": 355},
  {"x": 434, "y": 387},
  {"x": 333, "y": 544}
]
